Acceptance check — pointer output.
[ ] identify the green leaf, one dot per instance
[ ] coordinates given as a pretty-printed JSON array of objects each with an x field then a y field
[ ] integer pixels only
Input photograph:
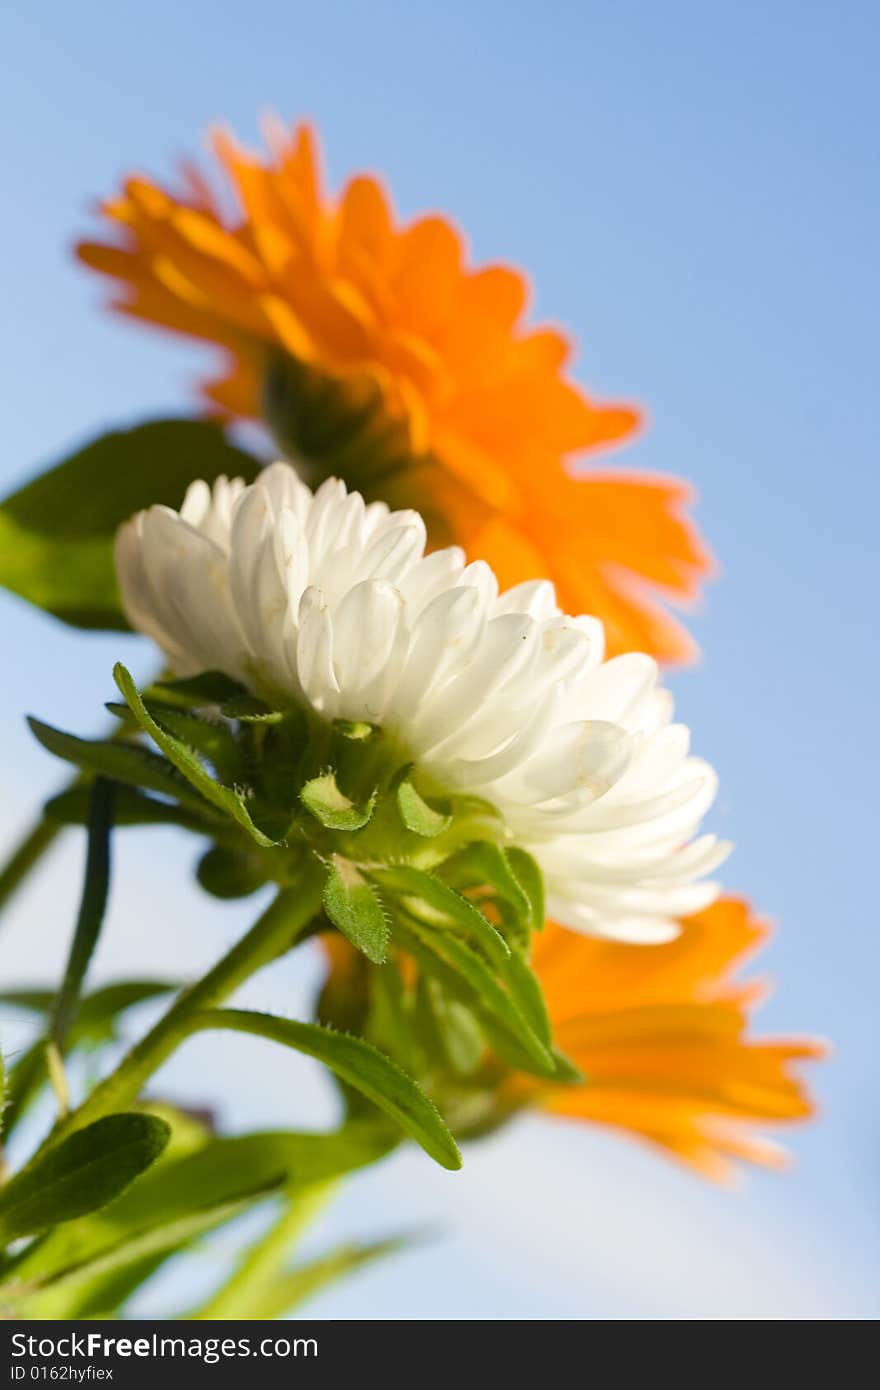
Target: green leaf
[
  {"x": 332, "y": 807},
  {"x": 195, "y": 692},
  {"x": 220, "y": 1172},
  {"x": 361, "y": 1066},
  {"x": 531, "y": 881},
  {"x": 454, "y": 1025},
  {"x": 390, "y": 1018},
  {"x": 352, "y": 906},
  {"x": 123, "y": 762},
  {"x": 81, "y": 1173},
  {"x": 468, "y": 975},
  {"x": 286, "y": 1291},
  {"x": 248, "y": 709},
  {"x": 416, "y": 814},
  {"x": 94, "y": 1287},
  {"x": 437, "y": 904},
  {"x": 98, "y": 1008},
  {"x": 94, "y": 1024},
  {"x": 525, "y": 988},
  {"x": 56, "y": 532},
  {"x": 186, "y": 762},
  {"x": 91, "y": 910},
  {"x": 485, "y": 864},
  {"x": 207, "y": 737},
  {"x": 130, "y": 807}
]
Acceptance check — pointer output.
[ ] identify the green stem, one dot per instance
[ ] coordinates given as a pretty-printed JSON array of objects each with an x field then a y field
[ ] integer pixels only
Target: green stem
[
  {"x": 92, "y": 907},
  {"x": 283, "y": 922},
  {"x": 240, "y": 1296}
]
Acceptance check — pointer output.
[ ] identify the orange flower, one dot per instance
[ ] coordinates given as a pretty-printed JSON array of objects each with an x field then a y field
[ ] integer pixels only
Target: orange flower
[
  {"x": 488, "y": 417},
  {"x": 660, "y": 1034}
]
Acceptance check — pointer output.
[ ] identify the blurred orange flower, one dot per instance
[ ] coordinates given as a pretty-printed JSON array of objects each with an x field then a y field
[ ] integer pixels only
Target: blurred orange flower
[
  {"x": 660, "y": 1034},
  {"x": 489, "y": 417}
]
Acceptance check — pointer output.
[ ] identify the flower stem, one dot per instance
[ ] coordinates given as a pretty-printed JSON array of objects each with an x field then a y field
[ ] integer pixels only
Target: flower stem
[
  {"x": 241, "y": 1296},
  {"x": 283, "y": 922}
]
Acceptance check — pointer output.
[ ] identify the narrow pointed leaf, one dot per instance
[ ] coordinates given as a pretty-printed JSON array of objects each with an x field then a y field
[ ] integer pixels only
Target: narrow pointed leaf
[
  {"x": 526, "y": 989},
  {"x": 248, "y": 709},
  {"x": 468, "y": 974},
  {"x": 186, "y": 762},
  {"x": 223, "y": 1170},
  {"x": 195, "y": 692},
  {"x": 352, "y": 906},
  {"x": 130, "y": 807},
  {"x": 531, "y": 881},
  {"x": 361, "y": 1066},
  {"x": 123, "y": 762},
  {"x": 81, "y": 1173},
  {"x": 209, "y": 738},
  {"x": 444, "y": 906},
  {"x": 86, "y": 1289},
  {"x": 484, "y": 863}
]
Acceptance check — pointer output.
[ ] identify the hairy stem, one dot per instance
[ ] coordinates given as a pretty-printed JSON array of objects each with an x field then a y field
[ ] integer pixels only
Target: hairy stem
[{"x": 284, "y": 921}]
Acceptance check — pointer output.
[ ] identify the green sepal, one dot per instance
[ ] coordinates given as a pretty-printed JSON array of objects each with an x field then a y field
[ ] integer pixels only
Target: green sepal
[
  {"x": 451, "y": 1025},
  {"x": 483, "y": 864},
  {"x": 390, "y": 1018},
  {"x": 355, "y": 730},
  {"x": 530, "y": 879},
  {"x": 353, "y": 907},
  {"x": 207, "y": 737},
  {"x": 525, "y": 987},
  {"x": 278, "y": 750},
  {"x": 249, "y": 709},
  {"x": 335, "y": 811},
  {"x": 416, "y": 814},
  {"x": 437, "y": 904},
  {"x": 332, "y": 426},
  {"x": 467, "y": 975}
]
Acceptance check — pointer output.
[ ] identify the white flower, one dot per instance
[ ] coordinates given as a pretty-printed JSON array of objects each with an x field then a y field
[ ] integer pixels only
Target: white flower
[{"x": 320, "y": 598}]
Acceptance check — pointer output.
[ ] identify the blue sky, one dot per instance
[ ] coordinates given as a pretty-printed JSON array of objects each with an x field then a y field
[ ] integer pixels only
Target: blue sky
[{"x": 693, "y": 191}]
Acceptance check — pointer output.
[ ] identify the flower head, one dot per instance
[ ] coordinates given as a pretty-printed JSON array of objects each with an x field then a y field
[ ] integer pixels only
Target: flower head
[
  {"x": 470, "y": 416},
  {"x": 661, "y": 1036},
  {"x": 323, "y": 601}
]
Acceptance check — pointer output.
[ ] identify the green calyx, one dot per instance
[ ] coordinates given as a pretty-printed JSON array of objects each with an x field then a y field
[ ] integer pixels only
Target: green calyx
[{"x": 408, "y": 871}]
